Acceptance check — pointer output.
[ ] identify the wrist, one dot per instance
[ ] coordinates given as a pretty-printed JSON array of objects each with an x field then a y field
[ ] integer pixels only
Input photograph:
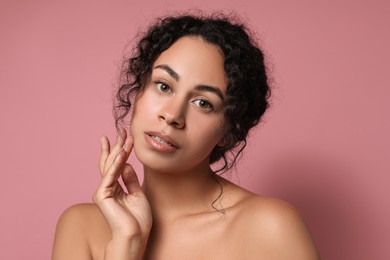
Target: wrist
[
  {"x": 121, "y": 248},
  {"x": 129, "y": 237}
]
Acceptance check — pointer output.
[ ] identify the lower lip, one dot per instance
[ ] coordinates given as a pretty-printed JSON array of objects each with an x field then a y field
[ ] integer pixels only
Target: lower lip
[{"x": 157, "y": 146}]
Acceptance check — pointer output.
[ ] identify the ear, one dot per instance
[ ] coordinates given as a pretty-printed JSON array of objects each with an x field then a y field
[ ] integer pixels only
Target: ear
[{"x": 222, "y": 142}]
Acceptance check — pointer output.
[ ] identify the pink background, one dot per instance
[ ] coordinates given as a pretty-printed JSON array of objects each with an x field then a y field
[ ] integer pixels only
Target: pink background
[{"x": 324, "y": 146}]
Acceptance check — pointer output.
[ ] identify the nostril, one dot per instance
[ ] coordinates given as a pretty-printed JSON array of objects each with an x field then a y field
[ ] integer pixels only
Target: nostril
[
  {"x": 173, "y": 115},
  {"x": 173, "y": 121}
]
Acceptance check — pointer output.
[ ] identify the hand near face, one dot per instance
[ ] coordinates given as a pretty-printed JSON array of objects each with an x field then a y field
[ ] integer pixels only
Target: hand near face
[{"x": 126, "y": 210}]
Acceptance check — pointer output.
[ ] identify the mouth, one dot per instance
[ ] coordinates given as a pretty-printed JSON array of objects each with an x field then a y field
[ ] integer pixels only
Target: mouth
[
  {"x": 161, "y": 142},
  {"x": 158, "y": 139}
]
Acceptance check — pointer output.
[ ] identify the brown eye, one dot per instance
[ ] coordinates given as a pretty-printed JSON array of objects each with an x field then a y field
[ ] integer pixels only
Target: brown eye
[
  {"x": 204, "y": 104},
  {"x": 163, "y": 87}
]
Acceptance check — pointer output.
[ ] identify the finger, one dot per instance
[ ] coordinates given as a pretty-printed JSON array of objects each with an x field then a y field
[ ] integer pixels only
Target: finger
[
  {"x": 113, "y": 173},
  {"x": 130, "y": 180},
  {"x": 105, "y": 151},
  {"x": 128, "y": 146},
  {"x": 115, "y": 149}
]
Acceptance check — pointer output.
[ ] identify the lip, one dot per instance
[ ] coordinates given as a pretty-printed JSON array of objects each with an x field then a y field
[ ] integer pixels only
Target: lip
[{"x": 168, "y": 145}]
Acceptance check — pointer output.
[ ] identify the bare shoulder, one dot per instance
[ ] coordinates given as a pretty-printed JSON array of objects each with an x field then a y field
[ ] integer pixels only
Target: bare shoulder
[
  {"x": 271, "y": 227},
  {"x": 271, "y": 215},
  {"x": 79, "y": 212},
  {"x": 270, "y": 212},
  {"x": 81, "y": 230}
]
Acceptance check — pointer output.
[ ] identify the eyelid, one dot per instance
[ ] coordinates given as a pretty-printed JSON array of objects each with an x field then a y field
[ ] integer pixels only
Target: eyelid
[
  {"x": 209, "y": 104},
  {"x": 160, "y": 82}
]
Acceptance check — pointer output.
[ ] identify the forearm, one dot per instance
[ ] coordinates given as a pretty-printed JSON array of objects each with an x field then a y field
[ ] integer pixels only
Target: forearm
[{"x": 125, "y": 249}]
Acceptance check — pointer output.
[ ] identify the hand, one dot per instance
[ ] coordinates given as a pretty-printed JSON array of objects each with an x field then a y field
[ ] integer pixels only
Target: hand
[{"x": 127, "y": 212}]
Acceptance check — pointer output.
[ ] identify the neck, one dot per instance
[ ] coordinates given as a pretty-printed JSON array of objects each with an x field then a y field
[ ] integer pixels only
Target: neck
[{"x": 172, "y": 196}]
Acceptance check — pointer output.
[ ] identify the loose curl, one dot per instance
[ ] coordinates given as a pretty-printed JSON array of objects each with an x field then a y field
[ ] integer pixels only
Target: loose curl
[{"x": 247, "y": 90}]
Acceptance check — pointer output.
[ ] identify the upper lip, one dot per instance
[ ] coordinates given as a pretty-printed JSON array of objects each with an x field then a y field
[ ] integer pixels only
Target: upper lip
[{"x": 164, "y": 137}]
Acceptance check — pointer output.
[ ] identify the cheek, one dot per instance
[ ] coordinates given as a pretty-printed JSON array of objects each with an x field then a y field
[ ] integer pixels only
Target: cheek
[
  {"x": 209, "y": 131},
  {"x": 143, "y": 109}
]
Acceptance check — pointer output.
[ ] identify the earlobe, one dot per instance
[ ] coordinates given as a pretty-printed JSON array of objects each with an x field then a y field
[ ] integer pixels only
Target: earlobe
[{"x": 221, "y": 142}]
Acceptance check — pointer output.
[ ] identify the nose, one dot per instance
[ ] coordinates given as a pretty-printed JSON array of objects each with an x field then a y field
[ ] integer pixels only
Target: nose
[{"x": 173, "y": 113}]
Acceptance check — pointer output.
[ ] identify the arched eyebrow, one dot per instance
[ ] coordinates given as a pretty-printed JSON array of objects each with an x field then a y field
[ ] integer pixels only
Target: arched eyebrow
[
  {"x": 169, "y": 70},
  {"x": 176, "y": 77},
  {"x": 211, "y": 89}
]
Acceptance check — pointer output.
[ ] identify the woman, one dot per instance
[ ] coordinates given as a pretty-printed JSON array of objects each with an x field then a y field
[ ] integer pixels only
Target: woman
[{"x": 197, "y": 85}]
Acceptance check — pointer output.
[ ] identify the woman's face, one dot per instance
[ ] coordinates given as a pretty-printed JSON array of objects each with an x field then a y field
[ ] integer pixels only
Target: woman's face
[{"x": 178, "y": 117}]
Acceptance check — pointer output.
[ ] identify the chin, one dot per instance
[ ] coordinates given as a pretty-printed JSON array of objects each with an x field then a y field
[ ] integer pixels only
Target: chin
[
  {"x": 155, "y": 162},
  {"x": 170, "y": 164}
]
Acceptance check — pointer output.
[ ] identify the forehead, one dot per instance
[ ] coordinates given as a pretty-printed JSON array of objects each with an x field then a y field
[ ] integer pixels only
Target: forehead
[{"x": 195, "y": 61}]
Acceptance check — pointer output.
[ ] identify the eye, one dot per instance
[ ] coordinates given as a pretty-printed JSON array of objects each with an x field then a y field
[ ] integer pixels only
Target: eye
[
  {"x": 204, "y": 104},
  {"x": 163, "y": 87}
]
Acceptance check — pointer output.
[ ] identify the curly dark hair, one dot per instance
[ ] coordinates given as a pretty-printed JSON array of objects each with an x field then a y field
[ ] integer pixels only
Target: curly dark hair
[{"x": 247, "y": 90}]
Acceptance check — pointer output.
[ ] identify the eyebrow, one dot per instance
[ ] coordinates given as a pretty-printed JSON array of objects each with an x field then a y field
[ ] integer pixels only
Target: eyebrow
[
  {"x": 176, "y": 76},
  {"x": 211, "y": 89},
  {"x": 169, "y": 70}
]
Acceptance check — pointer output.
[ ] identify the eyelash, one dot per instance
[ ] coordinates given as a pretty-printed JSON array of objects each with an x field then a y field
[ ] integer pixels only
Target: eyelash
[
  {"x": 208, "y": 105},
  {"x": 159, "y": 85}
]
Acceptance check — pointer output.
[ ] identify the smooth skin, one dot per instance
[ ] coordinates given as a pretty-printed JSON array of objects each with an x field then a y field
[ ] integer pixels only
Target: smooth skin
[{"x": 178, "y": 212}]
